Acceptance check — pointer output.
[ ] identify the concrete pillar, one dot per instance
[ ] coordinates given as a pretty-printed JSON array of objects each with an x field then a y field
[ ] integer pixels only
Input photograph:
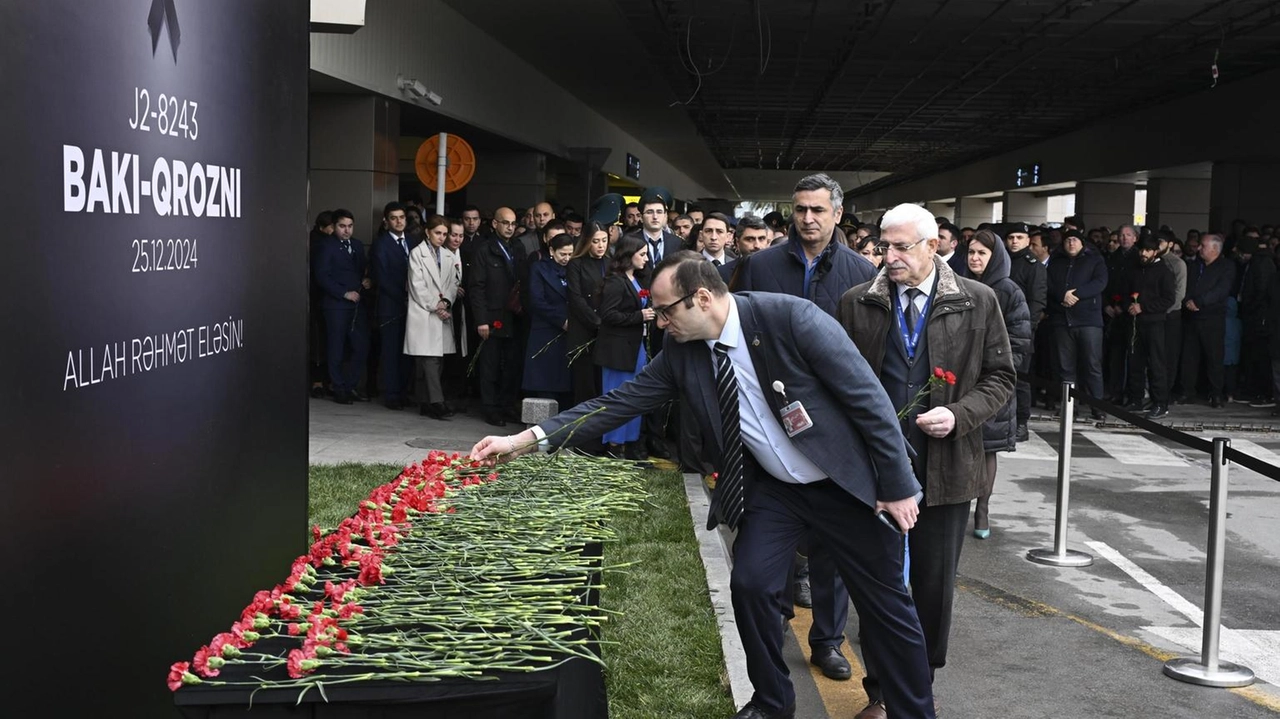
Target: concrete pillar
[
  {"x": 941, "y": 209},
  {"x": 1104, "y": 203},
  {"x": 1025, "y": 207},
  {"x": 509, "y": 179},
  {"x": 1182, "y": 204},
  {"x": 354, "y": 157},
  {"x": 1247, "y": 191},
  {"x": 972, "y": 211}
]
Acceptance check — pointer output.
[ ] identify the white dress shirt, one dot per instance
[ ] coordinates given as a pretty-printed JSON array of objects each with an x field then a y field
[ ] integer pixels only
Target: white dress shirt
[
  {"x": 723, "y": 258},
  {"x": 761, "y": 433}
]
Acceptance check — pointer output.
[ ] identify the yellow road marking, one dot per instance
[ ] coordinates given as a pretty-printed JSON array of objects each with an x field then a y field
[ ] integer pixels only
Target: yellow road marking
[
  {"x": 1033, "y": 608},
  {"x": 838, "y": 698}
]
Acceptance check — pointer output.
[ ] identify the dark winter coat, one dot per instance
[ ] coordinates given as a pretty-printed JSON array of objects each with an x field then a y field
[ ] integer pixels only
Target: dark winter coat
[
  {"x": 1156, "y": 288},
  {"x": 781, "y": 269},
  {"x": 999, "y": 434},
  {"x": 1209, "y": 286},
  {"x": 966, "y": 335},
  {"x": 1032, "y": 276},
  {"x": 1086, "y": 273}
]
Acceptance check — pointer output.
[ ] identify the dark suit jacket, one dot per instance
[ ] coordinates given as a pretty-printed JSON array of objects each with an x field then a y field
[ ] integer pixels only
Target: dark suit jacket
[
  {"x": 621, "y": 324},
  {"x": 855, "y": 436},
  {"x": 389, "y": 270},
  {"x": 670, "y": 246},
  {"x": 337, "y": 272},
  {"x": 492, "y": 277}
]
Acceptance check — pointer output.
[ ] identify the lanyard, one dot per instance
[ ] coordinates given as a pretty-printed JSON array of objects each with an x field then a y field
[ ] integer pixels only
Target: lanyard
[
  {"x": 910, "y": 339},
  {"x": 502, "y": 246}
]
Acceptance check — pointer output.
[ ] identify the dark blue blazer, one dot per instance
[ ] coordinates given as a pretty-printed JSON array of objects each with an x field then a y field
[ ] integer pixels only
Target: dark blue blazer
[
  {"x": 389, "y": 269},
  {"x": 855, "y": 438},
  {"x": 337, "y": 272}
]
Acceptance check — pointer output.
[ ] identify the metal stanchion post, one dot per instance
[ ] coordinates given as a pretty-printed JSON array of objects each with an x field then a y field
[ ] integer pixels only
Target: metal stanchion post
[
  {"x": 1060, "y": 556},
  {"x": 1206, "y": 669}
]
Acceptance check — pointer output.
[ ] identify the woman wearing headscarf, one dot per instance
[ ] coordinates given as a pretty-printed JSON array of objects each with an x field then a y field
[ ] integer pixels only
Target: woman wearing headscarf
[{"x": 988, "y": 263}]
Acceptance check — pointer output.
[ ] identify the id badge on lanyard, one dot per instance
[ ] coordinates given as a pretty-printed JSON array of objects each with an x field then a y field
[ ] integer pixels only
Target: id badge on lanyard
[{"x": 911, "y": 339}]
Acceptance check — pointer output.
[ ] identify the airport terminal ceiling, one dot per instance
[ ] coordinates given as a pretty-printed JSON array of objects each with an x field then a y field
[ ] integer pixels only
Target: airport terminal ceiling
[{"x": 909, "y": 87}]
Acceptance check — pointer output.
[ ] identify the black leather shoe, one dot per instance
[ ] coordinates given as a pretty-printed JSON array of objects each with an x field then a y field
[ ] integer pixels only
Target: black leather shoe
[
  {"x": 495, "y": 420},
  {"x": 359, "y": 396},
  {"x": 343, "y": 398},
  {"x": 832, "y": 663},
  {"x": 752, "y": 711},
  {"x": 434, "y": 411},
  {"x": 1097, "y": 415},
  {"x": 658, "y": 448},
  {"x": 1215, "y": 403},
  {"x": 801, "y": 594},
  {"x": 1158, "y": 412},
  {"x": 1023, "y": 433},
  {"x": 317, "y": 392},
  {"x": 395, "y": 404}
]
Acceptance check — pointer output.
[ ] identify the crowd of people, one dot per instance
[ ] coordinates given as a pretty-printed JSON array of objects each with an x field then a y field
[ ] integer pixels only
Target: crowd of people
[{"x": 549, "y": 303}]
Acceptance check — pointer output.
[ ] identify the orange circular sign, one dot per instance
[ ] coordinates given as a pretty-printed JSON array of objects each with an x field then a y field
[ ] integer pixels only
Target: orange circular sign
[{"x": 461, "y": 162}]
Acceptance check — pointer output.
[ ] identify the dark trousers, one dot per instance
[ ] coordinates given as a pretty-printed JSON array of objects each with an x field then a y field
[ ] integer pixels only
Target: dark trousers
[
  {"x": 830, "y": 609},
  {"x": 1116, "y": 353},
  {"x": 500, "y": 373},
  {"x": 397, "y": 367},
  {"x": 1147, "y": 362},
  {"x": 1023, "y": 404},
  {"x": 1203, "y": 338},
  {"x": 869, "y": 557},
  {"x": 1044, "y": 363},
  {"x": 1255, "y": 363},
  {"x": 346, "y": 346},
  {"x": 1173, "y": 349},
  {"x": 935, "y": 546},
  {"x": 1080, "y": 358}
]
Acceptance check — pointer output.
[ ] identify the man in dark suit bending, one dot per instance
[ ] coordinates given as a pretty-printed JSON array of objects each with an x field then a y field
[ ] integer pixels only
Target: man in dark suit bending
[{"x": 804, "y": 438}]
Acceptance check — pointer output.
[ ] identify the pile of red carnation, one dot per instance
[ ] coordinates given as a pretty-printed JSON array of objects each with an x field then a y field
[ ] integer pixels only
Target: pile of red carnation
[{"x": 358, "y": 545}]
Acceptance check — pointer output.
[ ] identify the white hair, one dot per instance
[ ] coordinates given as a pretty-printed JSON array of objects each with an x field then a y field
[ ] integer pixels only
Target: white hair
[{"x": 912, "y": 216}]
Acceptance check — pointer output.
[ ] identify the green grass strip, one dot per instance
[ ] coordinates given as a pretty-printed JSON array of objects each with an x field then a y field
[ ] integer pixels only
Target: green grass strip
[{"x": 664, "y": 656}]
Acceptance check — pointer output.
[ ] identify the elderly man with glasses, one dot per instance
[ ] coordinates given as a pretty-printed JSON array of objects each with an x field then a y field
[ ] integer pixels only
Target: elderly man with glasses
[{"x": 915, "y": 316}]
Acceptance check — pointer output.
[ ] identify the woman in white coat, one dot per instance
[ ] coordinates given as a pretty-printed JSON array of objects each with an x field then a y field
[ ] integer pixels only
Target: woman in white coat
[{"x": 433, "y": 286}]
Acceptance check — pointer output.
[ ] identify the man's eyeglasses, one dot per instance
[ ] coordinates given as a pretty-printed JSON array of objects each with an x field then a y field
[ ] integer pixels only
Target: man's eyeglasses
[
  {"x": 884, "y": 247},
  {"x": 664, "y": 312},
  {"x": 505, "y": 223}
]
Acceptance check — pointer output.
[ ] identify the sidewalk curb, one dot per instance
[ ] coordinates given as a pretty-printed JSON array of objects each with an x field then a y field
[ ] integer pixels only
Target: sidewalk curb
[{"x": 715, "y": 560}]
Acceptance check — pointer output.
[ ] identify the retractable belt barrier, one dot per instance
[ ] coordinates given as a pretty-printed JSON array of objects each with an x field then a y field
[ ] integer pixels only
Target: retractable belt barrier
[
  {"x": 1201, "y": 444},
  {"x": 1206, "y": 669}
]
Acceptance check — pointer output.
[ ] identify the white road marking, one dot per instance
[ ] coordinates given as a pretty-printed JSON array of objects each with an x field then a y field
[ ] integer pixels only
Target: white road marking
[
  {"x": 1134, "y": 449},
  {"x": 1258, "y": 650},
  {"x": 1153, "y": 585},
  {"x": 1035, "y": 448},
  {"x": 1253, "y": 449}
]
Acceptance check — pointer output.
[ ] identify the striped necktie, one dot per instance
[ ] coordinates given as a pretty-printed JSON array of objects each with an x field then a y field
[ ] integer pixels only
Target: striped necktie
[{"x": 729, "y": 488}]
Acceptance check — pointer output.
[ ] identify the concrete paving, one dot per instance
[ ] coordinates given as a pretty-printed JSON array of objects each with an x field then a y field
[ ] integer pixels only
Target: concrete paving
[{"x": 1028, "y": 640}]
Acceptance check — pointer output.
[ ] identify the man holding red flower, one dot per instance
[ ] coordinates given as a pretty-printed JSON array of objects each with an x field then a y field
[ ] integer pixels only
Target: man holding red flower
[{"x": 919, "y": 324}]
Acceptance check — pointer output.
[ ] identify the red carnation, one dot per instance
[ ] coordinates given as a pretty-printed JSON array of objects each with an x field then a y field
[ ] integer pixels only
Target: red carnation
[
  {"x": 950, "y": 378},
  {"x": 644, "y": 294},
  {"x": 939, "y": 373},
  {"x": 1116, "y": 298},
  {"x": 175, "y": 675},
  {"x": 497, "y": 324}
]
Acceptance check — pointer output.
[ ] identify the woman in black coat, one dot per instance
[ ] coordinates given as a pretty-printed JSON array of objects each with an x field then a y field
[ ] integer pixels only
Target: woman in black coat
[
  {"x": 585, "y": 274},
  {"x": 546, "y": 363},
  {"x": 988, "y": 263},
  {"x": 620, "y": 350}
]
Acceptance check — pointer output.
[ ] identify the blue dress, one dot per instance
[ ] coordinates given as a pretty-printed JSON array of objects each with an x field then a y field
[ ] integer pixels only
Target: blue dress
[{"x": 611, "y": 379}]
